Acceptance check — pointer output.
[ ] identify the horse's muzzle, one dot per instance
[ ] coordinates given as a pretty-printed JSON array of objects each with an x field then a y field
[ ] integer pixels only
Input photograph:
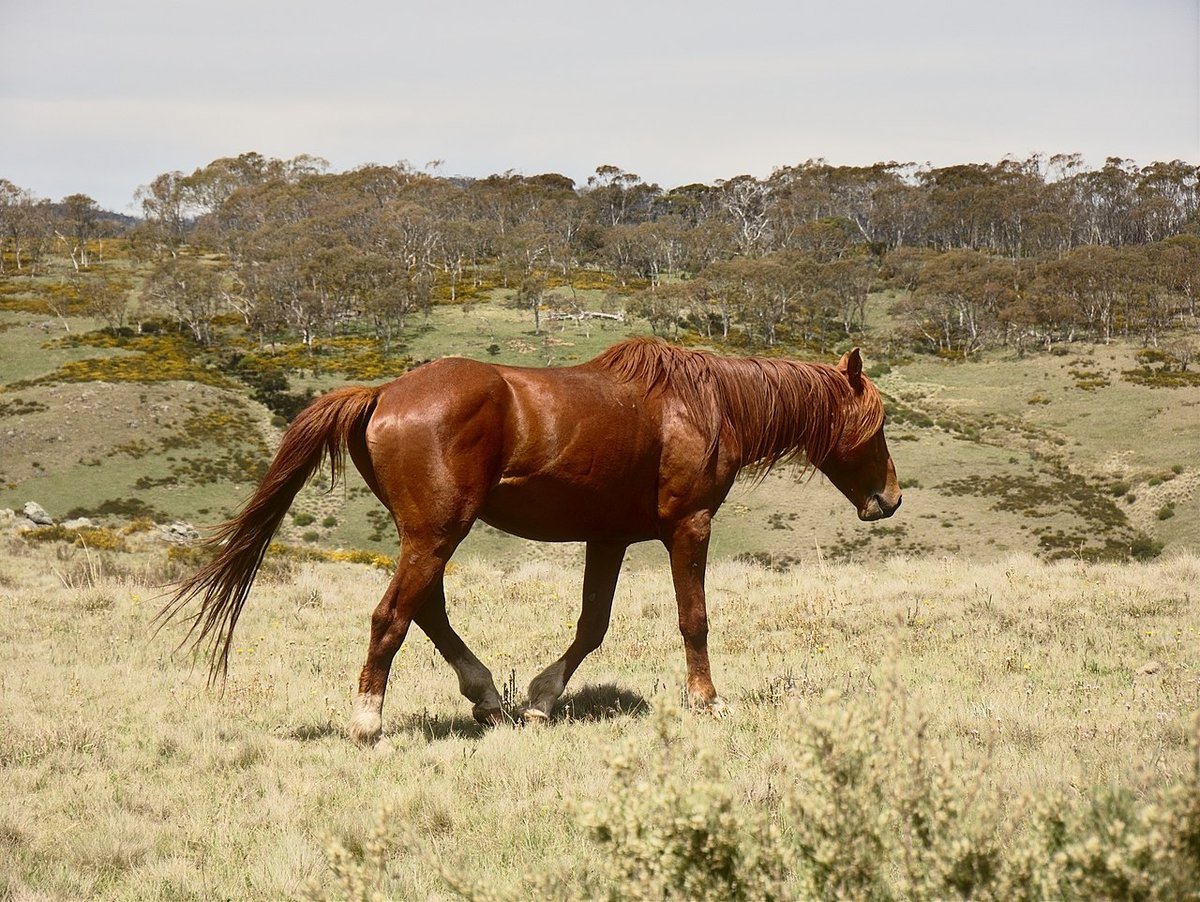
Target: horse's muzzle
[{"x": 879, "y": 508}]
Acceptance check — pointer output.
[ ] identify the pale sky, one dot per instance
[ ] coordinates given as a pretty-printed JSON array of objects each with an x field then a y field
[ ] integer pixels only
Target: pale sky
[{"x": 100, "y": 97}]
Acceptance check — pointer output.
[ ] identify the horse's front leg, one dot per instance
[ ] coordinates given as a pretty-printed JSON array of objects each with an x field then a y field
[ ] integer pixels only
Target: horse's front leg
[
  {"x": 599, "y": 584},
  {"x": 687, "y": 544}
]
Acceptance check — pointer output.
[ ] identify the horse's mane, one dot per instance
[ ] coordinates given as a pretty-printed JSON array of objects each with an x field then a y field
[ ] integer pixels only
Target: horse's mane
[{"x": 776, "y": 409}]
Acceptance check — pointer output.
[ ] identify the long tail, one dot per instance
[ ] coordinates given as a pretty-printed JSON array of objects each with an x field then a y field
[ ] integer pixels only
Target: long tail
[{"x": 321, "y": 430}]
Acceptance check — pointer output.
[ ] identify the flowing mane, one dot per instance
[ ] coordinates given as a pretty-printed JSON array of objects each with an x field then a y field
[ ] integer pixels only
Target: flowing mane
[{"x": 776, "y": 409}]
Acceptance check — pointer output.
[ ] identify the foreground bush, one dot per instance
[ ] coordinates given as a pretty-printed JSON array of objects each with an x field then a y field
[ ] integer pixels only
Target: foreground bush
[
  {"x": 871, "y": 808},
  {"x": 861, "y": 805}
]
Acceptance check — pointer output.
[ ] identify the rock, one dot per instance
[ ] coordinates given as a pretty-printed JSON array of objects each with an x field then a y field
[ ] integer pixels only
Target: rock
[
  {"x": 7, "y": 515},
  {"x": 35, "y": 512},
  {"x": 78, "y": 523},
  {"x": 179, "y": 532}
]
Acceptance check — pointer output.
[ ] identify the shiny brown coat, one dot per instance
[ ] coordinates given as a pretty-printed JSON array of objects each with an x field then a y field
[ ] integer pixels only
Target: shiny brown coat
[{"x": 642, "y": 443}]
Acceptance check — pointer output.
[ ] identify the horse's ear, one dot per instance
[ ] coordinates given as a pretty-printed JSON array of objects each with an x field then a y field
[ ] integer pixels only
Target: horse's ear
[{"x": 851, "y": 365}]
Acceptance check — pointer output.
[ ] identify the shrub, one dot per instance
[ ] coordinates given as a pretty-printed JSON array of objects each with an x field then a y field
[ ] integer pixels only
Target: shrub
[
  {"x": 302, "y": 519},
  {"x": 862, "y": 804},
  {"x": 1144, "y": 548},
  {"x": 93, "y": 537}
]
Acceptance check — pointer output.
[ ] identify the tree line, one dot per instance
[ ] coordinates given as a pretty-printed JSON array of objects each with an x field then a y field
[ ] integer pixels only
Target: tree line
[{"x": 1020, "y": 252}]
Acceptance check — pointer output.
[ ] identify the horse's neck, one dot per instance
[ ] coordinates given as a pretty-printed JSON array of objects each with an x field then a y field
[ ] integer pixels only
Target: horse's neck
[{"x": 781, "y": 410}]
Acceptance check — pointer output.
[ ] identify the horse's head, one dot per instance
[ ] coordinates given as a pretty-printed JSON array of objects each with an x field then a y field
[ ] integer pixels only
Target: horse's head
[{"x": 859, "y": 464}]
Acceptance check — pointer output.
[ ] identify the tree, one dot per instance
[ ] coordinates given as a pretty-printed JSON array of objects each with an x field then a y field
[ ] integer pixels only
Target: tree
[
  {"x": 956, "y": 300},
  {"x": 849, "y": 281},
  {"x": 163, "y": 204},
  {"x": 81, "y": 221},
  {"x": 766, "y": 293},
  {"x": 529, "y": 295},
  {"x": 1176, "y": 266},
  {"x": 186, "y": 291},
  {"x": 104, "y": 299},
  {"x": 663, "y": 308},
  {"x": 744, "y": 201},
  {"x": 25, "y": 225},
  {"x": 616, "y": 196},
  {"x": 1094, "y": 281}
]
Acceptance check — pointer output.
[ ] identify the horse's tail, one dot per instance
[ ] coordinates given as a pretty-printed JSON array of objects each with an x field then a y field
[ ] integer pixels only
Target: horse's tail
[{"x": 321, "y": 430}]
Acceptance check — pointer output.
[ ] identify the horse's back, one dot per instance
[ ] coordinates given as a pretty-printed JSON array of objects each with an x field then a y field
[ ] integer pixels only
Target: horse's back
[{"x": 553, "y": 454}]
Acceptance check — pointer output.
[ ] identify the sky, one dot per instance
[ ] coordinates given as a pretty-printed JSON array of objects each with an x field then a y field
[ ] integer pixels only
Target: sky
[{"x": 100, "y": 98}]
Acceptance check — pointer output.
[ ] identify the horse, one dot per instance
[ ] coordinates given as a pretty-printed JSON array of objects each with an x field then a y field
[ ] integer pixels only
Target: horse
[{"x": 641, "y": 443}]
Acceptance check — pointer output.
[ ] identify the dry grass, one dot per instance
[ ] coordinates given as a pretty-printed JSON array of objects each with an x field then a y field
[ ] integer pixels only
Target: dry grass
[{"x": 125, "y": 778}]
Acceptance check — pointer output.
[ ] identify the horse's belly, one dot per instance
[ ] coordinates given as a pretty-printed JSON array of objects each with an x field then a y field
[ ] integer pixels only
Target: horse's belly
[{"x": 547, "y": 510}]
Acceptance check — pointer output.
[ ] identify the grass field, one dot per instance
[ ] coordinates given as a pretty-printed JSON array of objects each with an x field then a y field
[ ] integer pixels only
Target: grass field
[{"x": 125, "y": 778}]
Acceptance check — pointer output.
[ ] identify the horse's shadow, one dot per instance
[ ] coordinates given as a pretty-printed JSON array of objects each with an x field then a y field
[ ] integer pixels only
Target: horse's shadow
[
  {"x": 590, "y": 704},
  {"x": 607, "y": 701}
]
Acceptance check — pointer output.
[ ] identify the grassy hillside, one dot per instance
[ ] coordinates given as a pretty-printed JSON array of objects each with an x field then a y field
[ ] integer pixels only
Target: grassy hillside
[{"x": 1053, "y": 454}]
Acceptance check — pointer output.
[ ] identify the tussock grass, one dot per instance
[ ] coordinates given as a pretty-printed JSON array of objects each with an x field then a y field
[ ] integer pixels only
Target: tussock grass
[{"x": 1064, "y": 688}]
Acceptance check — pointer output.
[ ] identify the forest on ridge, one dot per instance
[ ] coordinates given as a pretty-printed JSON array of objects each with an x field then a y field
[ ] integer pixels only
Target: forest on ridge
[{"x": 1019, "y": 253}]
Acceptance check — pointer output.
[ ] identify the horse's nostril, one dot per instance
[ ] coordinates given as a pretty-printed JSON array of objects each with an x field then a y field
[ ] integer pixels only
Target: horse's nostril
[{"x": 886, "y": 508}]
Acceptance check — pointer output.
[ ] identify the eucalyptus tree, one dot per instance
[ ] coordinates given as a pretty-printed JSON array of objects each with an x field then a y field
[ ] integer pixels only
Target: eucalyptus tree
[
  {"x": 25, "y": 225},
  {"x": 80, "y": 223},
  {"x": 105, "y": 299},
  {"x": 955, "y": 303},
  {"x": 1168, "y": 198},
  {"x": 188, "y": 292},
  {"x": 745, "y": 205},
  {"x": 615, "y": 197},
  {"x": 165, "y": 208},
  {"x": 1092, "y": 280},
  {"x": 1176, "y": 266}
]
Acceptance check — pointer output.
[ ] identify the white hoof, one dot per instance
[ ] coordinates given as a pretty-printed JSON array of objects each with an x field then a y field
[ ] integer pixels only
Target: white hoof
[
  {"x": 719, "y": 709},
  {"x": 366, "y": 723},
  {"x": 534, "y": 718}
]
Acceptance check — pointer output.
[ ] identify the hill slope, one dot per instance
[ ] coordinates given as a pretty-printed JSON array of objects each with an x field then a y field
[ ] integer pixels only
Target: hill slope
[{"x": 1050, "y": 454}]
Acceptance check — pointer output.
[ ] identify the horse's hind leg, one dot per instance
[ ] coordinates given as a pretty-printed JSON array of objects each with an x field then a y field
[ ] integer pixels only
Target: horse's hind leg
[
  {"x": 599, "y": 584},
  {"x": 474, "y": 679},
  {"x": 417, "y": 581}
]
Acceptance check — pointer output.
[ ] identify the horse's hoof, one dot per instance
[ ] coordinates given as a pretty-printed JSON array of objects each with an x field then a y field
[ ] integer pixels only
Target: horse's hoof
[
  {"x": 534, "y": 718},
  {"x": 714, "y": 708},
  {"x": 366, "y": 738},
  {"x": 718, "y": 709},
  {"x": 489, "y": 717},
  {"x": 366, "y": 724}
]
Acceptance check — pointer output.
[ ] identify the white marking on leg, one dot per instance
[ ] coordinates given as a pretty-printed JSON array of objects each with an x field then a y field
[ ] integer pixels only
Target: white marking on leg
[{"x": 366, "y": 723}]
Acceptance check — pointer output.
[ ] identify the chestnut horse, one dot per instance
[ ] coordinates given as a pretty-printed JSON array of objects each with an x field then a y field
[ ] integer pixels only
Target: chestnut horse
[{"x": 643, "y": 442}]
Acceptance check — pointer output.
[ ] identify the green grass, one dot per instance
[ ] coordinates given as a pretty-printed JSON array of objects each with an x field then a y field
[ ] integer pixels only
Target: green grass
[{"x": 29, "y": 349}]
